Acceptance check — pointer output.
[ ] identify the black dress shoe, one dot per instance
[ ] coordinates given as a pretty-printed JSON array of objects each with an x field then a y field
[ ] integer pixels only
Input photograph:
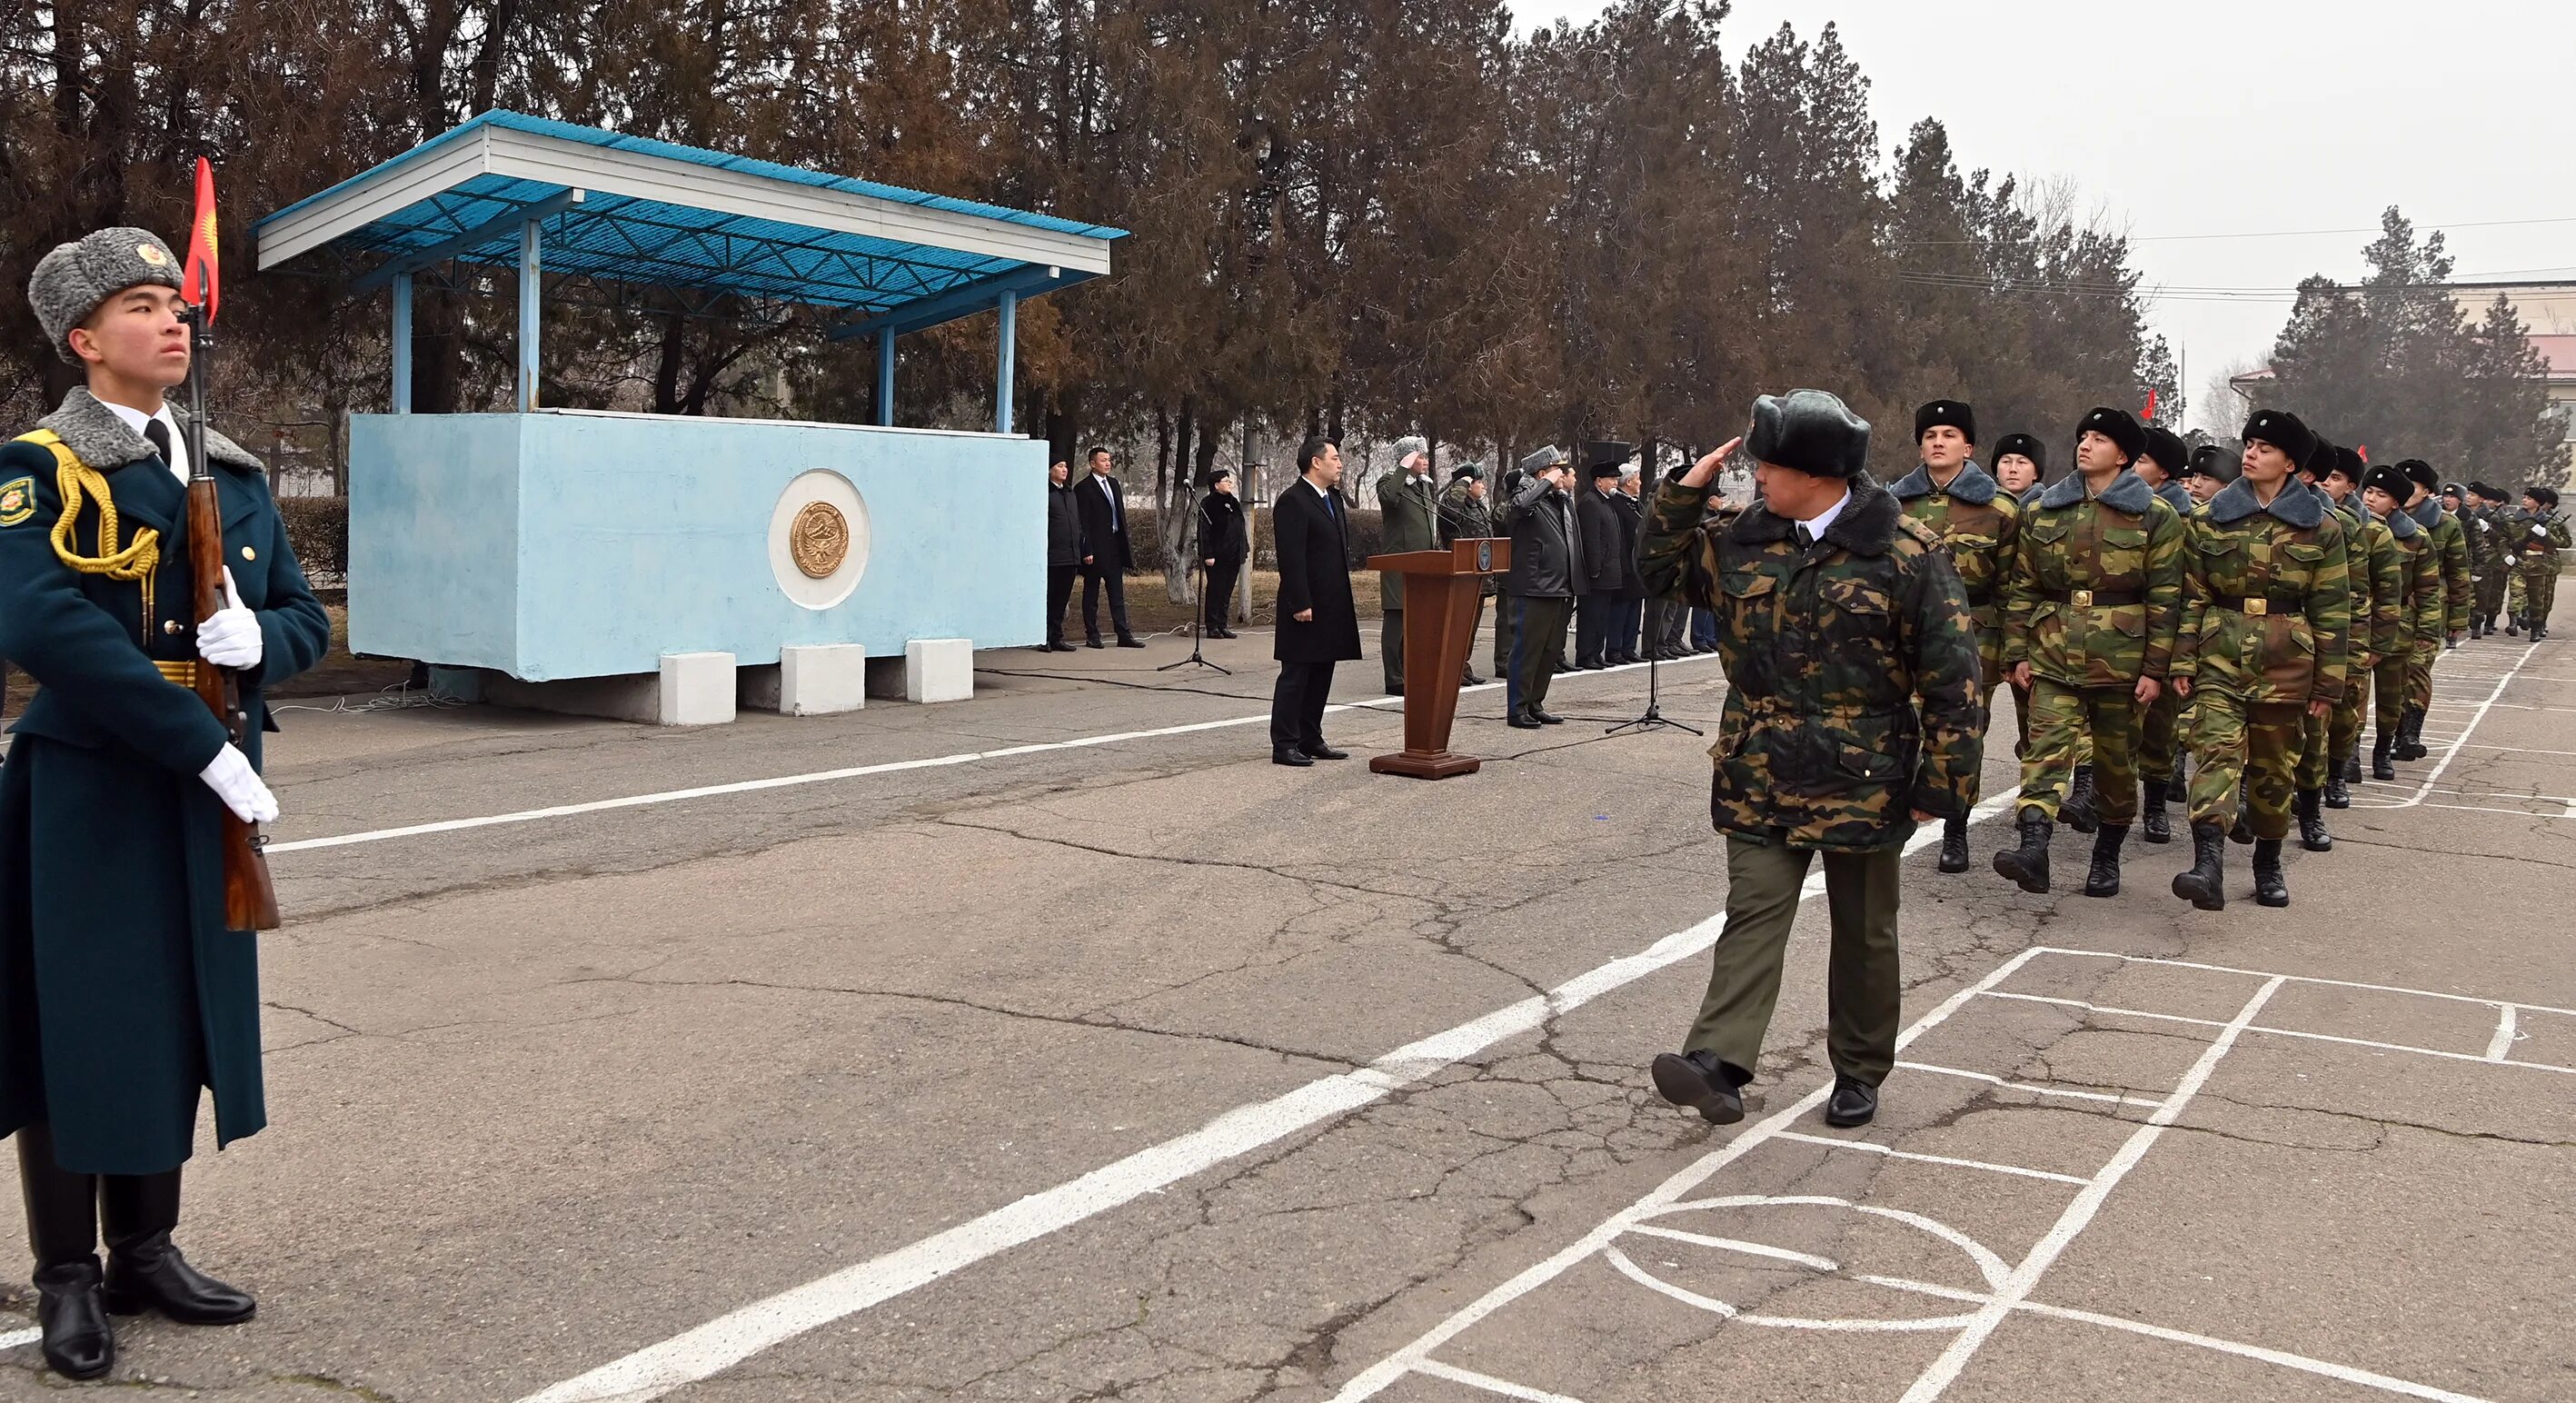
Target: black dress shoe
[
  {"x": 1060, "y": 646},
  {"x": 1131, "y": 642},
  {"x": 1548, "y": 718},
  {"x": 149, "y": 1274},
  {"x": 1519, "y": 722},
  {"x": 1289, "y": 757},
  {"x": 1093, "y": 643},
  {"x": 1322, "y": 752},
  {"x": 79, "y": 1344},
  {"x": 1395, "y": 689},
  {"x": 1853, "y": 1103},
  {"x": 1471, "y": 680},
  {"x": 1698, "y": 1080}
]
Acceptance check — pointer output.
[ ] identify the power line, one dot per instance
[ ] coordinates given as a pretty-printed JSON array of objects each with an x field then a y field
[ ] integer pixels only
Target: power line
[{"x": 2276, "y": 233}]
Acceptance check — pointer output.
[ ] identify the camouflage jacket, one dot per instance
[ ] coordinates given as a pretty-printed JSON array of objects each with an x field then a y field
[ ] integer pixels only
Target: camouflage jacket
[
  {"x": 2176, "y": 496},
  {"x": 2536, "y": 541},
  {"x": 1978, "y": 523},
  {"x": 2268, "y": 597},
  {"x": 1822, "y": 744},
  {"x": 2124, "y": 544},
  {"x": 2378, "y": 588},
  {"x": 1463, "y": 518},
  {"x": 2451, "y": 553},
  {"x": 2419, "y": 580},
  {"x": 2488, "y": 530}
]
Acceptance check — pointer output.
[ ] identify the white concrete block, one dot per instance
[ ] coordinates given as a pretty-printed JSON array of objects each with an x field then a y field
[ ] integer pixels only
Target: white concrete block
[
  {"x": 823, "y": 678},
  {"x": 698, "y": 689},
  {"x": 938, "y": 669}
]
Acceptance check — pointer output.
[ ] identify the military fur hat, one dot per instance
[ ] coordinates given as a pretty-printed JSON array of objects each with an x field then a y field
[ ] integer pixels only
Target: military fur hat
[
  {"x": 2281, "y": 429},
  {"x": 2116, "y": 425},
  {"x": 1544, "y": 459},
  {"x": 1809, "y": 431},
  {"x": 2453, "y": 489},
  {"x": 76, "y": 277},
  {"x": 2384, "y": 478},
  {"x": 2349, "y": 463},
  {"x": 1947, "y": 411},
  {"x": 2546, "y": 496},
  {"x": 2166, "y": 447},
  {"x": 2421, "y": 473},
  {"x": 2480, "y": 489},
  {"x": 2023, "y": 444},
  {"x": 2319, "y": 461},
  {"x": 2214, "y": 461},
  {"x": 1411, "y": 444},
  {"x": 1467, "y": 471}
]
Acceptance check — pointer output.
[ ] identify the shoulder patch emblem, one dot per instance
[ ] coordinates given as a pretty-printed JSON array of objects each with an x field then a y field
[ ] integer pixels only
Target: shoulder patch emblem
[{"x": 17, "y": 500}]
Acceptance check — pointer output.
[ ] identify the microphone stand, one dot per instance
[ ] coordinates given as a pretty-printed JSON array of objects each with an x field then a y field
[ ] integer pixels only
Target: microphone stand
[{"x": 1198, "y": 562}]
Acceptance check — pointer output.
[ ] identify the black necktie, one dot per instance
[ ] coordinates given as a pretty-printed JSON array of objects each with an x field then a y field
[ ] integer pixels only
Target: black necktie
[
  {"x": 159, "y": 433},
  {"x": 1806, "y": 538}
]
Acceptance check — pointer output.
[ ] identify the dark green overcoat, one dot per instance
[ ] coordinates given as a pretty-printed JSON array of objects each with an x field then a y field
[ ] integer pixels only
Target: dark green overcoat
[{"x": 121, "y": 993}]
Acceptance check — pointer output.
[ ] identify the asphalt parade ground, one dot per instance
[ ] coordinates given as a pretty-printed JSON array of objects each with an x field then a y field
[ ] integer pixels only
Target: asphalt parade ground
[{"x": 1056, "y": 1045}]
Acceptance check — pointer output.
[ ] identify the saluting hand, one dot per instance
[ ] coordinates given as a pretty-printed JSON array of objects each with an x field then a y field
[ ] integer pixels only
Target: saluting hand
[{"x": 1706, "y": 468}]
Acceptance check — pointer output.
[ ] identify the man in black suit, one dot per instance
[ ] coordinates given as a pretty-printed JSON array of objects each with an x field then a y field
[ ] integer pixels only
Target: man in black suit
[
  {"x": 1546, "y": 577},
  {"x": 1628, "y": 614},
  {"x": 1597, "y": 596},
  {"x": 1318, "y": 624},
  {"x": 1223, "y": 546},
  {"x": 1107, "y": 556}
]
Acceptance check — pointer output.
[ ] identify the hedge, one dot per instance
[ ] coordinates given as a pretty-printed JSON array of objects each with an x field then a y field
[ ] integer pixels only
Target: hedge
[
  {"x": 318, "y": 529},
  {"x": 1144, "y": 531}
]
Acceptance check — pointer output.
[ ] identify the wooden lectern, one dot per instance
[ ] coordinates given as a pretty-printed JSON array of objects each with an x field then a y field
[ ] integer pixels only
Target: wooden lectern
[{"x": 1440, "y": 590}]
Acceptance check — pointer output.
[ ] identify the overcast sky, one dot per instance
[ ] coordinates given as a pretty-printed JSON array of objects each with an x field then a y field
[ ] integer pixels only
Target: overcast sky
[{"x": 2198, "y": 117}]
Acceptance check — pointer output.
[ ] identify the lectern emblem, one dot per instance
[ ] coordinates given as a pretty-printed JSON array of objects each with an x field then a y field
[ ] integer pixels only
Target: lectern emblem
[
  {"x": 1485, "y": 556},
  {"x": 819, "y": 540}
]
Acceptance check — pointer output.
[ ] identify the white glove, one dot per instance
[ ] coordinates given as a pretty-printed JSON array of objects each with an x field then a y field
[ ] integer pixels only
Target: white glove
[
  {"x": 239, "y": 786},
  {"x": 230, "y": 636}
]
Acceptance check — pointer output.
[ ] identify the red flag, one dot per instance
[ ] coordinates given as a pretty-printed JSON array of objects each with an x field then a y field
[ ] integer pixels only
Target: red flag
[
  {"x": 2363, "y": 452},
  {"x": 2150, "y": 415},
  {"x": 198, "y": 285}
]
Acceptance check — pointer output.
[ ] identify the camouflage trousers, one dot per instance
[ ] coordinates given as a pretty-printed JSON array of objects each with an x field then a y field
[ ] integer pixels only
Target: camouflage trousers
[
  {"x": 2419, "y": 669},
  {"x": 2160, "y": 738},
  {"x": 2389, "y": 681},
  {"x": 2316, "y": 750},
  {"x": 2531, "y": 596},
  {"x": 2233, "y": 739},
  {"x": 2067, "y": 724},
  {"x": 2343, "y": 728},
  {"x": 2491, "y": 588}
]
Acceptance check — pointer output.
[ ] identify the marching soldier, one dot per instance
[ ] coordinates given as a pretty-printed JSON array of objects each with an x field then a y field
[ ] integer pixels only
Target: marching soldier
[
  {"x": 2162, "y": 467},
  {"x": 2017, "y": 460},
  {"x": 2451, "y": 554},
  {"x": 127, "y": 996},
  {"x": 2094, "y": 592},
  {"x": 2266, "y": 606},
  {"x": 2378, "y": 612},
  {"x": 1466, "y": 516},
  {"x": 2421, "y": 604},
  {"x": 1851, "y": 715},
  {"x": 2212, "y": 468},
  {"x": 2538, "y": 538},
  {"x": 1976, "y": 522},
  {"x": 2317, "y": 761},
  {"x": 2490, "y": 557}
]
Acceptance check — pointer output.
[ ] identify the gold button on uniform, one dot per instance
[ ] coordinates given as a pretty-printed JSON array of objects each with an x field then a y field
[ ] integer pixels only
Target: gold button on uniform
[
  {"x": 170, "y": 626},
  {"x": 249, "y": 554}
]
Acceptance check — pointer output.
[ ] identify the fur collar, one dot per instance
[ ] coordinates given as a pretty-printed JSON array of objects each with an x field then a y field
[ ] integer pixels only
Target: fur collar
[
  {"x": 2427, "y": 513},
  {"x": 2400, "y": 523},
  {"x": 1867, "y": 525},
  {"x": 2127, "y": 493},
  {"x": 2296, "y": 505},
  {"x": 95, "y": 435},
  {"x": 1970, "y": 484}
]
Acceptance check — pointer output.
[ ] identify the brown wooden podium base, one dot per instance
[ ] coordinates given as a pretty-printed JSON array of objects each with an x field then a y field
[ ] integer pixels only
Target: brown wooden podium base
[{"x": 1440, "y": 764}]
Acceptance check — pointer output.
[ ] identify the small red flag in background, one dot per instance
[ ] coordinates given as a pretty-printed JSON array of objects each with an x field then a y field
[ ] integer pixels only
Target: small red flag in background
[
  {"x": 2149, "y": 416},
  {"x": 198, "y": 285},
  {"x": 2363, "y": 452}
]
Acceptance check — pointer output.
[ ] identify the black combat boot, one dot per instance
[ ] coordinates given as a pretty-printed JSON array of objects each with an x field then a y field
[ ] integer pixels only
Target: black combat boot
[
  {"x": 2205, "y": 885},
  {"x": 2077, "y": 811},
  {"x": 2153, "y": 826},
  {"x": 2513, "y": 626},
  {"x": 2028, "y": 864},
  {"x": 2411, "y": 735},
  {"x": 2178, "y": 792},
  {"x": 2352, "y": 763},
  {"x": 1954, "y": 843},
  {"x": 2338, "y": 792},
  {"x": 2380, "y": 769},
  {"x": 2103, "y": 877},
  {"x": 2269, "y": 888},
  {"x": 2243, "y": 832},
  {"x": 2312, "y": 823}
]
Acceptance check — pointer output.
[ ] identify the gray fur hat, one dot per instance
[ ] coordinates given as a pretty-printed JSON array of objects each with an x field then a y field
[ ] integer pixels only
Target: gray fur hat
[
  {"x": 1810, "y": 431},
  {"x": 1409, "y": 445},
  {"x": 76, "y": 277},
  {"x": 1544, "y": 459}
]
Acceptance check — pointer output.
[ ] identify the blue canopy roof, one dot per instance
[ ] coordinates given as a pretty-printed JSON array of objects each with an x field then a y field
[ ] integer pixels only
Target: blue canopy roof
[{"x": 634, "y": 211}]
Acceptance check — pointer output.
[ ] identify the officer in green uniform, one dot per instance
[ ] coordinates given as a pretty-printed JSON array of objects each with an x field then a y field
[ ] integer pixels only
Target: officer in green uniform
[
  {"x": 1465, "y": 515},
  {"x": 1408, "y": 520},
  {"x": 2267, "y": 601},
  {"x": 125, "y": 995},
  {"x": 2378, "y": 608},
  {"x": 1851, "y": 715},
  {"x": 1977, "y": 523},
  {"x": 2539, "y": 534},
  {"x": 2090, "y": 608},
  {"x": 2451, "y": 554},
  {"x": 2162, "y": 466},
  {"x": 2490, "y": 563},
  {"x": 2421, "y": 604}
]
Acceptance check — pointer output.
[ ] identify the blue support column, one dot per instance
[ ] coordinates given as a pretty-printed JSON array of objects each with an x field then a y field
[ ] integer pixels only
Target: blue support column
[
  {"x": 402, "y": 344},
  {"x": 528, "y": 306},
  {"x": 885, "y": 378},
  {"x": 1010, "y": 339}
]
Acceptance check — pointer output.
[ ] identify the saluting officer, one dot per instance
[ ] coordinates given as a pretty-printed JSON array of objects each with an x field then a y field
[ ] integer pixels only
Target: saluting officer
[
  {"x": 1851, "y": 715},
  {"x": 1977, "y": 523},
  {"x": 2267, "y": 601},
  {"x": 125, "y": 995},
  {"x": 2089, "y": 626}
]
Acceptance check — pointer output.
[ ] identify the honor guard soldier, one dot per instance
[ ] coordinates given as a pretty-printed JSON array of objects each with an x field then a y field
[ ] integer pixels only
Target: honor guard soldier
[
  {"x": 2266, "y": 605},
  {"x": 1976, "y": 522},
  {"x": 1851, "y": 715},
  {"x": 2451, "y": 556},
  {"x": 2420, "y": 608},
  {"x": 2162, "y": 466},
  {"x": 2490, "y": 557},
  {"x": 2089, "y": 626},
  {"x": 127, "y": 995},
  {"x": 2378, "y": 616},
  {"x": 2539, "y": 535}
]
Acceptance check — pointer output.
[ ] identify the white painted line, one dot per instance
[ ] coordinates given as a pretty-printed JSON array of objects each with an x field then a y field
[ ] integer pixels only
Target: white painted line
[
  {"x": 1737, "y": 1244},
  {"x": 1627, "y": 1267},
  {"x": 1488, "y": 1383},
  {"x": 1379, "y": 1376},
  {"x": 15, "y": 1338},
  {"x": 2494, "y": 1053},
  {"x": 752, "y": 786},
  {"x": 1878, "y": 1149},
  {"x": 1938, "y": 1376},
  {"x": 2106, "y": 1008},
  {"x": 2031, "y": 1087},
  {"x": 2297, "y": 978},
  {"x": 736, "y": 1335},
  {"x": 2502, "y": 1043},
  {"x": 2418, "y": 1051},
  {"x": 2474, "y": 809},
  {"x": 2451, "y": 751}
]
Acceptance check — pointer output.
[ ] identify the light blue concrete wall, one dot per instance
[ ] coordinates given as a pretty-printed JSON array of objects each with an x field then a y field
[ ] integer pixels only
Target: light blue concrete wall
[{"x": 559, "y": 545}]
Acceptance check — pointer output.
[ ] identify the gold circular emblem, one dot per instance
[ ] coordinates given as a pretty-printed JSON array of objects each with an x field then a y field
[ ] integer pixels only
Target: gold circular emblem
[
  {"x": 819, "y": 539},
  {"x": 150, "y": 254}
]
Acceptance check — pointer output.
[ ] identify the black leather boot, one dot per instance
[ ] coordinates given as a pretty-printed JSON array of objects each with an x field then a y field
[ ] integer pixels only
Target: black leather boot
[
  {"x": 2103, "y": 878},
  {"x": 2243, "y": 831},
  {"x": 2205, "y": 885},
  {"x": 2028, "y": 864},
  {"x": 2338, "y": 794},
  {"x": 137, "y": 1214},
  {"x": 2410, "y": 735},
  {"x": 2380, "y": 769},
  {"x": 2352, "y": 764},
  {"x": 2178, "y": 792},
  {"x": 62, "y": 1228},
  {"x": 2312, "y": 823},
  {"x": 2513, "y": 626},
  {"x": 1954, "y": 843},
  {"x": 2153, "y": 826},
  {"x": 2077, "y": 811},
  {"x": 2269, "y": 887}
]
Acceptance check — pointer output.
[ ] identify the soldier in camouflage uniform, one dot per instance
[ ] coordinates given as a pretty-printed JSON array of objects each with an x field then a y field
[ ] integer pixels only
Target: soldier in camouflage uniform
[
  {"x": 2017, "y": 460},
  {"x": 1466, "y": 515},
  {"x": 2538, "y": 535},
  {"x": 2162, "y": 466},
  {"x": 1851, "y": 716},
  {"x": 1977, "y": 523},
  {"x": 2378, "y": 604},
  {"x": 2420, "y": 608},
  {"x": 2316, "y": 760},
  {"x": 2268, "y": 601},
  {"x": 2095, "y": 590},
  {"x": 2490, "y": 563},
  {"x": 2451, "y": 554}
]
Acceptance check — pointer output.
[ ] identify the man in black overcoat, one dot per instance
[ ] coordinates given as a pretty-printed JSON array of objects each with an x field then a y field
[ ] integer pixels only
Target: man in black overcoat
[
  {"x": 1064, "y": 552},
  {"x": 1318, "y": 624},
  {"x": 1224, "y": 544},
  {"x": 1107, "y": 554}
]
